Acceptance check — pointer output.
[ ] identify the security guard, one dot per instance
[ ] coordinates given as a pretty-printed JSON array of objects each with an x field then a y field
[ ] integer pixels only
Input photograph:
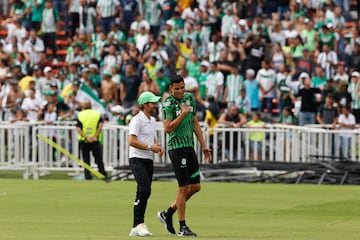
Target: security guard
[{"x": 89, "y": 125}]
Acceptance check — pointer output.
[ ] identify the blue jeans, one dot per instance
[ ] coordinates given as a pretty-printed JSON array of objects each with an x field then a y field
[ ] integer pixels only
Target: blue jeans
[
  {"x": 267, "y": 103},
  {"x": 107, "y": 24},
  {"x": 61, "y": 7},
  {"x": 282, "y": 10},
  {"x": 344, "y": 147},
  {"x": 306, "y": 118}
]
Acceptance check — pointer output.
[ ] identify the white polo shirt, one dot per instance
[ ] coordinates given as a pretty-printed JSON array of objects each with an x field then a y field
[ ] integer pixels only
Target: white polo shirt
[{"x": 145, "y": 131}]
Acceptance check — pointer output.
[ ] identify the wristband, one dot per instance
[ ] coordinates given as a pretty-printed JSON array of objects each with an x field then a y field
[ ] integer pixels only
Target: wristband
[{"x": 148, "y": 148}]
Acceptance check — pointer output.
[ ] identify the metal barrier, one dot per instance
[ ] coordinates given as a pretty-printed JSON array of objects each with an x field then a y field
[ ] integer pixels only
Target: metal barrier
[
  {"x": 20, "y": 148},
  {"x": 15, "y": 147}
]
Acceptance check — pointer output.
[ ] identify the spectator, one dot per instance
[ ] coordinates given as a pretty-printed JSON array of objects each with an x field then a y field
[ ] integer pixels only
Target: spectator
[
  {"x": 148, "y": 84},
  {"x": 214, "y": 48},
  {"x": 308, "y": 96},
  {"x": 347, "y": 122},
  {"x": 252, "y": 89},
  {"x": 107, "y": 11},
  {"x": 204, "y": 67},
  {"x": 233, "y": 84},
  {"x": 62, "y": 7},
  {"x": 233, "y": 119},
  {"x": 309, "y": 35},
  {"x": 354, "y": 90},
  {"x": 341, "y": 75},
  {"x": 256, "y": 136},
  {"x": 342, "y": 97},
  {"x": 266, "y": 78},
  {"x": 44, "y": 82},
  {"x": 328, "y": 114},
  {"x": 255, "y": 51},
  {"x": 319, "y": 80},
  {"x": 162, "y": 81},
  {"x": 287, "y": 117},
  {"x": 243, "y": 103},
  {"x": 284, "y": 92},
  {"x": 36, "y": 9},
  {"x": 153, "y": 12},
  {"x": 129, "y": 87},
  {"x": 87, "y": 15},
  {"x": 49, "y": 27},
  {"x": 74, "y": 6},
  {"x": 108, "y": 90},
  {"x": 33, "y": 47},
  {"x": 328, "y": 61},
  {"x": 129, "y": 9},
  {"x": 214, "y": 82}
]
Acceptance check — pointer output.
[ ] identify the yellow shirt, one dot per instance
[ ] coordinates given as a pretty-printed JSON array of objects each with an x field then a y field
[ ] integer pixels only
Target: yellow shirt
[
  {"x": 66, "y": 90},
  {"x": 256, "y": 136},
  {"x": 184, "y": 4},
  {"x": 24, "y": 83}
]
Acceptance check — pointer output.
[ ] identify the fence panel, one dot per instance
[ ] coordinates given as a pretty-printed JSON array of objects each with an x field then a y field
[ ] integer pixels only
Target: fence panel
[
  {"x": 20, "y": 148},
  {"x": 15, "y": 147}
]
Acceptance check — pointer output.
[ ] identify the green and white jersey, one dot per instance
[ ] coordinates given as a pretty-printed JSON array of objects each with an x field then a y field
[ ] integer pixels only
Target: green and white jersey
[
  {"x": 354, "y": 90},
  {"x": 50, "y": 17},
  {"x": 107, "y": 7},
  {"x": 152, "y": 12},
  {"x": 234, "y": 84},
  {"x": 118, "y": 36},
  {"x": 183, "y": 135}
]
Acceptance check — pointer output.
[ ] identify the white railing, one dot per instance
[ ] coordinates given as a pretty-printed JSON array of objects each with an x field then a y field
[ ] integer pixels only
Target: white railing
[{"x": 20, "y": 149}]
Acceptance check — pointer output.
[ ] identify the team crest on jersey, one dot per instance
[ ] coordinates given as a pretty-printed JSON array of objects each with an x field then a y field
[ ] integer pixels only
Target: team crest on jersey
[{"x": 183, "y": 162}]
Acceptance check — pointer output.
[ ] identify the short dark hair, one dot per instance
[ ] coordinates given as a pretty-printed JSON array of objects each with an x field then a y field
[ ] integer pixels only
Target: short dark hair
[{"x": 176, "y": 79}]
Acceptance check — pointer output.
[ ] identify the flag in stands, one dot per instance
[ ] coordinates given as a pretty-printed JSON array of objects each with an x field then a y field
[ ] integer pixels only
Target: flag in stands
[{"x": 85, "y": 93}]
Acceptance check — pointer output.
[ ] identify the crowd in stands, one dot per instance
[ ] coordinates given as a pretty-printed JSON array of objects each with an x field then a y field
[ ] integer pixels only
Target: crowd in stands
[{"x": 276, "y": 57}]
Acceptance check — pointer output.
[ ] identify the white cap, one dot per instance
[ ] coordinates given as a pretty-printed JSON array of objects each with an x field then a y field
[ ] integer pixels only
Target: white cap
[
  {"x": 47, "y": 69},
  {"x": 355, "y": 74},
  {"x": 306, "y": 20},
  {"x": 118, "y": 109},
  {"x": 93, "y": 66},
  {"x": 304, "y": 75},
  {"x": 250, "y": 72},
  {"x": 204, "y": 63},
  {"x": 242, "y": 22},
  {"x": 329, "y": 25},
  {"x": 170, "y": 22}
]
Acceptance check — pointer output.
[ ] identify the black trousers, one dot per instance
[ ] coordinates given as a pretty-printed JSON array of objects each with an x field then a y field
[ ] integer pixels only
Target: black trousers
[
  {"x": 96, "y": 150},
  {"x": 50, "y": 42},
  {"x": 75, "y": 18},
  {"x": 143, "y": 172}
]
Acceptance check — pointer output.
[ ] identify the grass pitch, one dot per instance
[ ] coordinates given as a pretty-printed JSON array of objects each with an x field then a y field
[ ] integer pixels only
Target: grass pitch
[{"x": 82, "y": 210}]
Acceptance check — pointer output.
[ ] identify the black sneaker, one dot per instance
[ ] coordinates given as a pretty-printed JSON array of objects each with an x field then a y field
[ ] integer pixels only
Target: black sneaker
[
  {"x": 186, "y": 232},
  {"x": 167, "y": 221}
]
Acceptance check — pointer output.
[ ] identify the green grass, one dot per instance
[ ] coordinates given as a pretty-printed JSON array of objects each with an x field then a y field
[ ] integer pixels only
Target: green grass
[{"x": 80, "y": 210}]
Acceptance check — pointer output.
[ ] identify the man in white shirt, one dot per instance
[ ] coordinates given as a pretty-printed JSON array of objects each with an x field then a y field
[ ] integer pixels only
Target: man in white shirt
[
  {"x": 347, "y": 122},
  {"x": 33, "y": 47},
  {"x": 31, "y": 105},
  {"x": 266, "y": 78},
  {"x": 214, "y": 82},
  {"x": 143, "y": 145}
]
